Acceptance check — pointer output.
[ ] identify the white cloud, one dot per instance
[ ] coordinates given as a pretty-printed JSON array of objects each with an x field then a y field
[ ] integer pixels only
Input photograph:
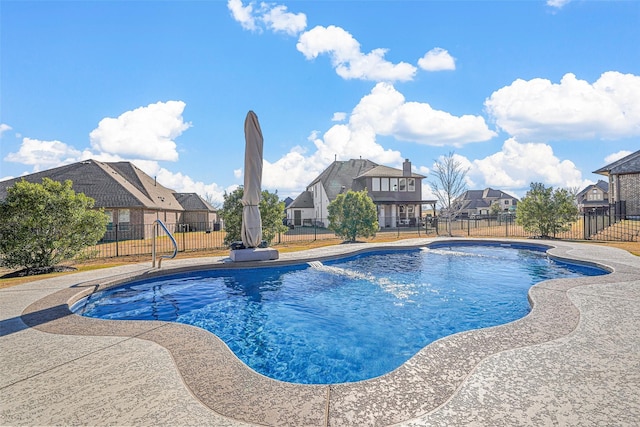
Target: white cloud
[
  {"x": 573, "y": 109},
  {"x": 616, "y": 156},
  {"x": 348, "y": 59},
  {"x": 144, "y": 133},
  {"x": 243, "y": 14},
  {"x": 163, "y": 119},
  {"x": 338, "y": 117},
  {"x": 558, "y": 4},
  {"x": 387, "y": 113},
  {"x": 270, "y": 16},
  {"x": 43, "y": 154},
  {"x": 382, "y": 112},
  {"x": 4, "y": 128},
  {"x": 279, "y": 20},
  {"x": 517, "y": 165},
  {"x": 437, "y": 59}
]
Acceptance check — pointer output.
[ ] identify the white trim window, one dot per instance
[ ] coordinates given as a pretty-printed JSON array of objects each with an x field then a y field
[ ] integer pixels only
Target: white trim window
[{"x": 375, "y": 184}]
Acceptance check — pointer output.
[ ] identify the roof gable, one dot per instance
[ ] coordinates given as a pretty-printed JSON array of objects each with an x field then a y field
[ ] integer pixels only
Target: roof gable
[
  {"x": 602, "y": 185},
  {"x": 111, "y": 185},
  {"x": 625, "y": 165},
  {"x": 159, "y": 195},
  {"x": 340, "y": 175},
  {"x": 193, "y": 202},
  {"x": 304, "y": 200}
]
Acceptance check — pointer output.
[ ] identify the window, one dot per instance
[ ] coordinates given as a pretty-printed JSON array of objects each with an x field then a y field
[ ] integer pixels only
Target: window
[
  {"x": 375, "y": 184},
  {"x": 124, "y": 218},
  {"x": 595, "y": 195},
  {"x": 384, "y": 184},
  {"x": 506, "y": 202},
  {"x": 402, "y": 184},
  {"x": 410, "y": 210},
  {"x": 393, "y": 184},
  {"x": 411, "y": 184},
  {"x": 109, "y": 215}
]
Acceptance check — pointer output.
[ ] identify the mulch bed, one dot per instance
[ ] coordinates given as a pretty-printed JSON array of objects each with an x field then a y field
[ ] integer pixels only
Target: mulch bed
[{"x": 38, "y": 270}]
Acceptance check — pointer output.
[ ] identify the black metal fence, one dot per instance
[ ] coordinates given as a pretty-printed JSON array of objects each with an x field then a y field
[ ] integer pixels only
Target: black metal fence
[
  {"x": 588, "y": 226},
  {"x": 601, "y": 226}
]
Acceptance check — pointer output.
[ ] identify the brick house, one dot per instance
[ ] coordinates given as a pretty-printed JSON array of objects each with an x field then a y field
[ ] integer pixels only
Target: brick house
[
  {"x": 624, "y": 185},
  {"x": 131, "y": 199}
]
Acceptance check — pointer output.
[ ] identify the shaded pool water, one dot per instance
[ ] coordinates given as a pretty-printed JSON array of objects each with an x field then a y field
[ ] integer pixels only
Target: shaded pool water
[{"x": 346, "y": 320}]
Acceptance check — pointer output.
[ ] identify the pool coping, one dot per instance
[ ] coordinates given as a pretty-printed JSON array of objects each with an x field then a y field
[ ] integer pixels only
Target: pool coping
[{"x": 428, "y": 380}]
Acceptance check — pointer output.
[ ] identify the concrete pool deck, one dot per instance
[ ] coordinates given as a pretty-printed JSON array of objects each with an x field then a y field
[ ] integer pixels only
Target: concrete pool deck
[{"x": 574, "y": 360}]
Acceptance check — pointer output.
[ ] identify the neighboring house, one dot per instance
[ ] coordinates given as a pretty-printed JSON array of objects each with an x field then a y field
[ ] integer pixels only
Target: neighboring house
[
  {"x": 130, "y": 198},
  {"x": 198, "y": 214},
  {"x": 397, "y": 193},
  {"x": 475, "y": 203},
  {"x": 624, "y": 184},
  {"x": 594, "y": 198},
  {"x": 287, "y": 202}
]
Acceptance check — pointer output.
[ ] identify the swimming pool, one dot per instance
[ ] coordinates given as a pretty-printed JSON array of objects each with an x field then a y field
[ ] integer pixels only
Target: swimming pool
[{"x": 344, "y": 320}]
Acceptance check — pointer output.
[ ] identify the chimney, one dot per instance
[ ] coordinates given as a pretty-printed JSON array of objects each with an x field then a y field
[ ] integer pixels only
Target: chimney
[{"x": 406, "y": 168}]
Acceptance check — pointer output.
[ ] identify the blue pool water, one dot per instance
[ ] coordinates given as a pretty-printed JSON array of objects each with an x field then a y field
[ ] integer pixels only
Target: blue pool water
[{"x": 346, "y": 320}]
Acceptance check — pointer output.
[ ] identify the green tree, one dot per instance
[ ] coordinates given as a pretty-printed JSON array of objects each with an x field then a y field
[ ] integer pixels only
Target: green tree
[
  {"x": 546, "y": 211},
  {"x": 44, "y": 224},
  {"x": 448, "y": 184},
  {"x": 271, "y": 215},
  {"x": 353, "y": 214},
  {"x": 495, "y": 209}
]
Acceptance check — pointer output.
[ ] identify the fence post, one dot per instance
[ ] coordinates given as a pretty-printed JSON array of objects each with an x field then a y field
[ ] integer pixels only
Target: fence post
[
  {"x": 468, "y": 227},
  {"x": 117, "y": 252},
  {"x": 587, "y": 225},
  {"x": 184, "y": 245}
]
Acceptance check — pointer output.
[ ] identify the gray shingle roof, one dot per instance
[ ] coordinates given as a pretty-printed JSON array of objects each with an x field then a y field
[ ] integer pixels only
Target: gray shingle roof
[
  {"x": 603, "y": 185},
  {"x": 304, "y": 200},
  {"x": 386, "y": 171},
  {"x": 193, "y": 202},
  {"x": 340, "y": 175},
  {"x": 626, "y": 165},
  {"x": 483, "y": 195},
  {"x": 111, "y": 185}
]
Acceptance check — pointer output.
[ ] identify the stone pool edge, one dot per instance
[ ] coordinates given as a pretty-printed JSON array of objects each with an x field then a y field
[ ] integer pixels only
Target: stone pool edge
[{"x": 425, "y": 382}]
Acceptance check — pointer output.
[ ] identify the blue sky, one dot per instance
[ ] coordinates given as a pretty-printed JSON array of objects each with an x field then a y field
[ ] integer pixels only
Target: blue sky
[{"x": 521, "y": 91}]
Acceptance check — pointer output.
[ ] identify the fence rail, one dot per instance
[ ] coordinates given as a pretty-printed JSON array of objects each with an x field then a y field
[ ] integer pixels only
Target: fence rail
[{"x": 590, "y": 226}]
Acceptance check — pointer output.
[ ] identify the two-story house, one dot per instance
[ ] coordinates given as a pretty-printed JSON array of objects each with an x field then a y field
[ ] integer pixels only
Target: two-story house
[
  {"x": 594, "y": 198},
  {"x": 478, "y": 202},
  {"x": 397, "y": 193}
]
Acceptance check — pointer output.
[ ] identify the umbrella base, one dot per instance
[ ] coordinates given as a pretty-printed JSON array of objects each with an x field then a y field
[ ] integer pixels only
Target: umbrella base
[{"x": 253, "y": 254}]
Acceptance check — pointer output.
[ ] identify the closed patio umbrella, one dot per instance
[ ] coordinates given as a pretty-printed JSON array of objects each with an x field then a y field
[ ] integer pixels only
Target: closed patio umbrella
[{"x": 251, "y": 221}]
